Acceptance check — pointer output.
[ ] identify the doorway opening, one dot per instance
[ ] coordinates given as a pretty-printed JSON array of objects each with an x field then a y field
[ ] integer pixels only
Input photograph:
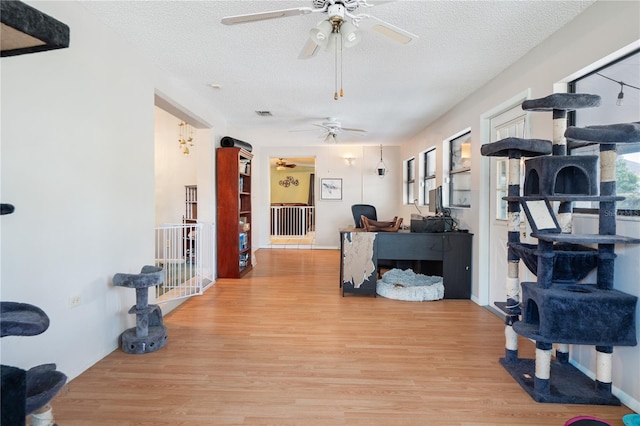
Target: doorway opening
[
  {"x": 184, "y": 230},
  {"x": 292, "y": 202}
]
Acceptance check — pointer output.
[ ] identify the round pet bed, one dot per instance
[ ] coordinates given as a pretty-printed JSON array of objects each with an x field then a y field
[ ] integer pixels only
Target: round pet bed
[{"x": 409, "y": 286}]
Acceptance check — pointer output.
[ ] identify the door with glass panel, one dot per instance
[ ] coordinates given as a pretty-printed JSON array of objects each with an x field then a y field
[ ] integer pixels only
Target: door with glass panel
[{"x": 511, "y": 123}]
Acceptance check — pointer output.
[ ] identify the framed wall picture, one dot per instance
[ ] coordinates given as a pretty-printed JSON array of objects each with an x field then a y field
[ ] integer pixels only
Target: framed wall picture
[{"x": 331, "y": 189}]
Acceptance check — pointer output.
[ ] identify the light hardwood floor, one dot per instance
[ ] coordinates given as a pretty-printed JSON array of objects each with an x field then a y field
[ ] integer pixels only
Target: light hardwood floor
[{"x": 283, "y": 347}]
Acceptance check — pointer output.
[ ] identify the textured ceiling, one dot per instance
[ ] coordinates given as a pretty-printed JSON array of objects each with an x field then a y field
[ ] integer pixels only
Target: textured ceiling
[{"x": 391, "y": 90}]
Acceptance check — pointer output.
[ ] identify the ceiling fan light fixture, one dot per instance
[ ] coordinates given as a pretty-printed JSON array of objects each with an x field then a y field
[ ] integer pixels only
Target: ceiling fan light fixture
[
  {"x": 351, "y": 35},
  {"x": 321, "y": 32},
  {"x": 330, "y": 138}
]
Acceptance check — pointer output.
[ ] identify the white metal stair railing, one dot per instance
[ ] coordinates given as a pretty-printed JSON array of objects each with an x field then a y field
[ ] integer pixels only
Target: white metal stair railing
[
  {"x": 292, "y": 221},
  {"x": 185, "y": 252}
]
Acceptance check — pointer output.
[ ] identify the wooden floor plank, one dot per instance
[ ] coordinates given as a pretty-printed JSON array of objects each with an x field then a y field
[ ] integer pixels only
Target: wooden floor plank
[{"x": 282, "y": 346}]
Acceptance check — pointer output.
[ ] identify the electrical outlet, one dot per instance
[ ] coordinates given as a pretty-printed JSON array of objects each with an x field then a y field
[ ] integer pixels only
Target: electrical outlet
[{"x": 74, "y": 301}]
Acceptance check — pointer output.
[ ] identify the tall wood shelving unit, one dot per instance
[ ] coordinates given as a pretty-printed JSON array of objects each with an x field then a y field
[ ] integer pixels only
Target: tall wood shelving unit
[
  {"x": 233, "y": 181},
  {"x": 189, "y": 219},
  {"x": 190, "y": 204}
]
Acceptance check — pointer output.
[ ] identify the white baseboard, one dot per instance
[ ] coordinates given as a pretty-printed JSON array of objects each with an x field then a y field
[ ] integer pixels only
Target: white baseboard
[{"x": 624, "y": 397}]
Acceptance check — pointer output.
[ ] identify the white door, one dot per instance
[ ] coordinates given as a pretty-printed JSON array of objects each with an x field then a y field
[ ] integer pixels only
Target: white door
[{"x": 511, "y": 123}]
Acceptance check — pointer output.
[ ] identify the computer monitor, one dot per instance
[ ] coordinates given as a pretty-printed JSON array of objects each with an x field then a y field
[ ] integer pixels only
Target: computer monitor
[{"x": 435, "y": 200}]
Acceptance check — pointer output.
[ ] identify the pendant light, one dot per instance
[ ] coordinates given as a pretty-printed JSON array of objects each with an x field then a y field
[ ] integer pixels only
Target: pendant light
[
  {"x": 620, "y": 98},
  {"x": 185, "y": 137},
  {"x": 381, "y": 168},
  {"x": 619, "y": 102}
]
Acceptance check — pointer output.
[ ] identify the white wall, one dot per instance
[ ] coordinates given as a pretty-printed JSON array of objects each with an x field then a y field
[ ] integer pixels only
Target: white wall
[
  {"x": 600, "y": 31},
  {"x": 78, "y": 164},
  {"x": 293, "y": 193}
]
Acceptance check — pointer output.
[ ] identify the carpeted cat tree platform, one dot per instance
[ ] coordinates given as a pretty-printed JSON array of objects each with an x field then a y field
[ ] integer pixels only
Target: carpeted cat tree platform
[
  {"x": 559, "y": 309},
  {"x": 149, "y": 334}
]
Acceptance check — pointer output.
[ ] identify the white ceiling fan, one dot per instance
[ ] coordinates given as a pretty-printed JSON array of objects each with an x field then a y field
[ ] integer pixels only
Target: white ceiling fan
[
  {"x": 332, "y": 128},
  {"x": 343, "y": 19}
]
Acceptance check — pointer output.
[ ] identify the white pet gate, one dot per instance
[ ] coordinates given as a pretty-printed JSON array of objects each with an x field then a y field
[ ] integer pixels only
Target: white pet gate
[{"x": 185, "y": 252}]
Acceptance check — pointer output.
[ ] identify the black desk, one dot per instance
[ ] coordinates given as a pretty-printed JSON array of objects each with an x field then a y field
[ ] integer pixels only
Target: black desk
[{"x": 446, "y": 254}]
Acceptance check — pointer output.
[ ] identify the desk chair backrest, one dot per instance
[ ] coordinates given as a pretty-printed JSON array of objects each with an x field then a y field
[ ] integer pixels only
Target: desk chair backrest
[{"x": 365, "y": 210}]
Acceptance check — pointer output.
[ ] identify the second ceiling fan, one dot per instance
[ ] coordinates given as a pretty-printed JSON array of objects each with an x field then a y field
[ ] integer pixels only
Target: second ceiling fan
[
  {"x": 282, "y": 165},
  {"x": 332, "y": 128}
]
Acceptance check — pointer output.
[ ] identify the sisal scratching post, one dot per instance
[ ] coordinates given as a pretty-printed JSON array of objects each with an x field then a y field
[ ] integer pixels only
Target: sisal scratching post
[{"x": 542, "y": 384}]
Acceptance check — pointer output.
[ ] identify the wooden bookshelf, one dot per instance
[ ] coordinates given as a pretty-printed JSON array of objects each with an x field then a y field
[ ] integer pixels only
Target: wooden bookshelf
[{"x": 233, "y": 180}]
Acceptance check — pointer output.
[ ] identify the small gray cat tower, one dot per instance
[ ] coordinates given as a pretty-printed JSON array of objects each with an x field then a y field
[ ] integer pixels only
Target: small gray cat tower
[
  {"x": 149, "y": 334},
  {"x": 559, "y": 309}
]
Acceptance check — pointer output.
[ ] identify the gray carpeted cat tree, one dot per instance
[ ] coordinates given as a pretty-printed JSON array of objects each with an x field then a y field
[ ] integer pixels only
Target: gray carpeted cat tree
[
  {"x": 559, "y": 308},
  {"x": 149, "y": 334}
]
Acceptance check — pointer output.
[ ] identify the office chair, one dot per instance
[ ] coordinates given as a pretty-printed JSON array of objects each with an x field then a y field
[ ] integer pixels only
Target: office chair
[{"x": 365, "y": 210}]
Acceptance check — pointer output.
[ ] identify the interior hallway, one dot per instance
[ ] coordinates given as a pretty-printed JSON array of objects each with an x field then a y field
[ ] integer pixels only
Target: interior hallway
[{"x": 282, "y": 346}]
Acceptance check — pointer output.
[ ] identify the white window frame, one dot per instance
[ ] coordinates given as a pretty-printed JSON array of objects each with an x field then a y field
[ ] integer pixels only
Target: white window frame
[{"x": 608, "y": 90}]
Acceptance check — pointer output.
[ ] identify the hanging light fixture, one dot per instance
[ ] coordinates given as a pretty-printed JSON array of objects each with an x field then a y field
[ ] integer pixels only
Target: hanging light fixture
[
  {"x": 320, "y": 34},
  {"x": 381, "y": 168},
  {"x": 619, "y": 100},
  {"x": 620, "y": 95},
  {"x": 185, "y": 137},
  {"x": 350, "y": 34},
  {"x": 336, "y": 33}
]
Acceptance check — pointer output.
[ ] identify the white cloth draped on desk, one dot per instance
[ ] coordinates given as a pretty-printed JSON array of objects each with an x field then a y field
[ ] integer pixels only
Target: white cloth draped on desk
[{"x": 358, "y": 257}]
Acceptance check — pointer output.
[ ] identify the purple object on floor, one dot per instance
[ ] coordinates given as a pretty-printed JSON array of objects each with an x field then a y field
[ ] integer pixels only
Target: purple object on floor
[{"x": 586, "y": 421}]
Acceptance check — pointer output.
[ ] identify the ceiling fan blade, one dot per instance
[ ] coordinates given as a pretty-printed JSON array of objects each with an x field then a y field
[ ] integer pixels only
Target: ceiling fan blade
[
  {"x": 388, "y": 30},
  {"x": 309, "y": 50},
  {"x": 353, "y": 130},
  {"x": 262, "y": 16}
]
